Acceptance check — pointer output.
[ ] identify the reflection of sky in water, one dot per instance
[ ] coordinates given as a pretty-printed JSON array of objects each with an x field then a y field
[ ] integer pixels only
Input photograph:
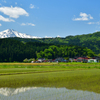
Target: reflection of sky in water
[{"x": 40, "y": 93}]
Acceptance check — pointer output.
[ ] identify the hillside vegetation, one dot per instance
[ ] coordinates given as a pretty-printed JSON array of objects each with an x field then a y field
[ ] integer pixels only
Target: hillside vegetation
[
  {"x": 91, "y": 41},
  {"x": 14, "y": 50}
]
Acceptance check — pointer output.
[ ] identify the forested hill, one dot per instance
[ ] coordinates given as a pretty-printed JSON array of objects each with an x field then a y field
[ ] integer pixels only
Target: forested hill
[
  {"x": 14, "y": 50},
  {"x": 92, "y": 41}
]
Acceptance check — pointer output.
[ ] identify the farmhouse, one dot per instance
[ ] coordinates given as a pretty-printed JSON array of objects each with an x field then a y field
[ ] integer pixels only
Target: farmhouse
[
  {"x": 92, "y": 60},
  {"x": 41, "y": 59},
  {"x": 60, "y": 59}
]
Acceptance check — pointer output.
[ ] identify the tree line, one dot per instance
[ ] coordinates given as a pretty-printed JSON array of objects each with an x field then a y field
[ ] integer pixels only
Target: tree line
[
  {"x": 65, "y": 51},
  {"x": 91, "y": 41},
  {"x": 14, "y": 50}
]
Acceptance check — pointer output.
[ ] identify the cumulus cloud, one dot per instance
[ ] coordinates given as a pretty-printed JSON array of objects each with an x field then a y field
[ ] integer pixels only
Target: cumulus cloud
[
  {"x": 13, "y": 12},
  {"x": 83, "y": 17},
  {"x": 0, "y": 24},
  {"x": 6, "y": 19},
  {"x": 32, "y": 6},
  {"x": 31, "y": 24}
]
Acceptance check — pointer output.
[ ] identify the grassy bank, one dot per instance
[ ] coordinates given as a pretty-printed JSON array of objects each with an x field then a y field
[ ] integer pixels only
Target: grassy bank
[
  {"x": 50, "y": 65},
  {"x": 81, "y": 76},
  {"x": 27, "y": 68}
]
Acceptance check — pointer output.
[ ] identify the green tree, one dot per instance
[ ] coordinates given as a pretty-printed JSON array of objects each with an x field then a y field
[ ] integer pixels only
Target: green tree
[{"x": 25, "y": 60}]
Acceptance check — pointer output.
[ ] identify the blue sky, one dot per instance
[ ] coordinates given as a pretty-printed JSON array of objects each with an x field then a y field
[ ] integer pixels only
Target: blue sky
[{"x": 50, "y": 18}]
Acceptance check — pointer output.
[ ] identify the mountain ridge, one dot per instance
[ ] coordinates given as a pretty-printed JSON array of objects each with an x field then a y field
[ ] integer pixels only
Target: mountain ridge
[
  {"x": 91, "y": 41},
  {"x": 12, "y": 33}
]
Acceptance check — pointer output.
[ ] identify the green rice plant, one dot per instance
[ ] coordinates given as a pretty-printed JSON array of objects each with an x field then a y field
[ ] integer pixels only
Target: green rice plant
[
  {"x": 80, "y": 76},
  {"x": 84, "y": 79}
]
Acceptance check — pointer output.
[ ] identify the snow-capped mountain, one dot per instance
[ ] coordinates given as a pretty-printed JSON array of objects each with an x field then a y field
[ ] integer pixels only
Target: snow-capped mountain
[
  {"x": 12, "y": 33},
  {"x": 13, "y": 91}
]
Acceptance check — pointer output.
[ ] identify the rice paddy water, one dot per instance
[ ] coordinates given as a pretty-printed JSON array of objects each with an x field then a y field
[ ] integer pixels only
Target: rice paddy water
[
  {"x": 46, "y": 93},
  {"x": 62, "y": 81}
]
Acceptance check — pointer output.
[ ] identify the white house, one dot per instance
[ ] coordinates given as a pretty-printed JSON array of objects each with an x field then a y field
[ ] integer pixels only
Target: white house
[{"x": 92, "y": 60}]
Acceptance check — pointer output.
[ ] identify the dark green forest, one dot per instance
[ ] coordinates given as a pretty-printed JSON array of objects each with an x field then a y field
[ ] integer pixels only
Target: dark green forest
[
  {"x": 65, "y": 51},
  {"x": 91, "y": 41},
  {"x": 14, "y": 50}
]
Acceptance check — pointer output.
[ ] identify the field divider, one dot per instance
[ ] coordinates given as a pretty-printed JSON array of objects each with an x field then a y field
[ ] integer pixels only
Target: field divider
[{"x": 33, "y": 72}]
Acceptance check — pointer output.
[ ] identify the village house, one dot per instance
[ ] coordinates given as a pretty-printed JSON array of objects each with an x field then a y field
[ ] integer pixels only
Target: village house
[
  {"x": 71, "y": 59},
  {"x": 41, "y": 60},
  {"x": 86, "y": 59},
  {"x": 82, "y": 59},
  {"x": 60, "y": 59},
  {"x": 75, "y": 59},
  {"x": 92, "y": 60}
]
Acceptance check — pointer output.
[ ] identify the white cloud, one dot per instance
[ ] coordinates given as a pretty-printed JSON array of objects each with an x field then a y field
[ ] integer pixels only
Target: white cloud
[
  {"x": 48, "y": 37},
  {"x": 13, "y": 12},
  {"x": 15, "y": 3},
  {"x": 37, "y": 7},
  {"x": 23, "y": 24},
  {"x": 98, "y": 23},
  {"x": 4, "y": 1},
  {"x": 90, "y": 23},
  {"x": 32, "y": 6},
  {"x": 0, "y": 24},
  {"x": 96, "y": 31},
  {"x": 6, "y": 19},
  {"x": 58, "y": 36},
  {"x": 31, "y": 24},
  {"x": 83, "y": 17}
]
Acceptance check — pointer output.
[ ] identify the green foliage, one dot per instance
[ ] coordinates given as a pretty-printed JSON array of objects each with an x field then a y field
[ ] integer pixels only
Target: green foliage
[
  {"x": 31, "y": 59},
  {"x": 25, "y": 60},
  {"x": 13, "y": 50},
  {"x": 91, "y": 41},
  {"x": 65, "y": 51},
  {"x": 90, "y": 53},
  {"x": 98, "y": 55}
]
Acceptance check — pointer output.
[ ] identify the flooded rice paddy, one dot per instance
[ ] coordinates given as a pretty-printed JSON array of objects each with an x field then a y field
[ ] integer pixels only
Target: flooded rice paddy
[
  {"x": 79, "y": 83},
  {"x": 46, "y": 93}
]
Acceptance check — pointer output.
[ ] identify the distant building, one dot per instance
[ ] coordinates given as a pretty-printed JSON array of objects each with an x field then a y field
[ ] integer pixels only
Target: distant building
[
  {"x": 92, "y": 60},
  {"x": 60, "y": 59},
  {"x": 41, "y": 60}
]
